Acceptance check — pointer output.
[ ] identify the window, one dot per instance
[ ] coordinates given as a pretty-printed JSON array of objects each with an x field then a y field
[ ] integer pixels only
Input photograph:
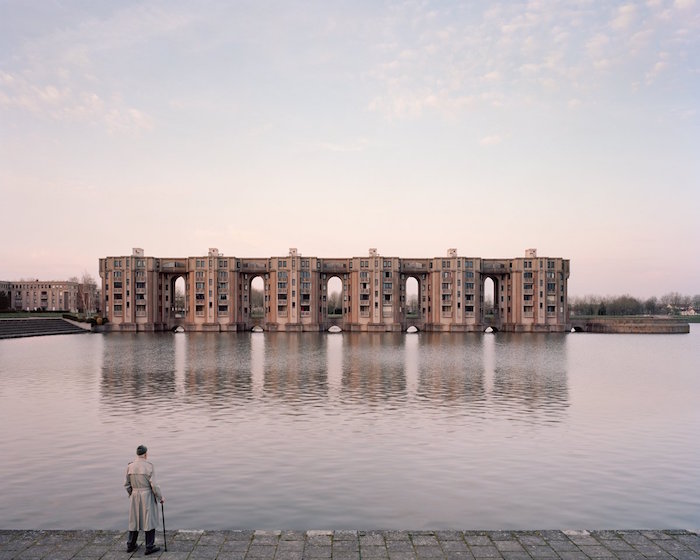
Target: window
[
  {"x": 469, "y": 275},
  {"x": 469, "y": 285},
  {"x": 469, "y": 264},
  {"x": 527, "y": 275},
  {"x": 550, "y": 264},
  {"x": 281, "y": 285},
  {"x": 551, "y": 286}
]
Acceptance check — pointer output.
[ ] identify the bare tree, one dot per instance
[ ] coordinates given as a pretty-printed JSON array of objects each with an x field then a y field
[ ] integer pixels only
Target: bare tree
[
  {"x": 335, "y": 303},
  {"x": 257, "y": 302},
  {"x": 179, "y": 300},
  {"x": 87, "y": 293},
  {"x": 412, "y": 305}
]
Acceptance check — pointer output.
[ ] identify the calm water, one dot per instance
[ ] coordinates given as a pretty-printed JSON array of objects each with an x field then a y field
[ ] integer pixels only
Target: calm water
[{"x": 354, "y": 430}]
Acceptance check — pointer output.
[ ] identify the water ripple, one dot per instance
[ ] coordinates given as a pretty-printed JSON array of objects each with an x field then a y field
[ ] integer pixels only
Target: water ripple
[{"x": 354, "y": 430}]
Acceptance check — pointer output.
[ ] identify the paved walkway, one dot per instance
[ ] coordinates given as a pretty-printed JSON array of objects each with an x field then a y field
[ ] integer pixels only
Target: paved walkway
[{"x": 360, "y": 545}]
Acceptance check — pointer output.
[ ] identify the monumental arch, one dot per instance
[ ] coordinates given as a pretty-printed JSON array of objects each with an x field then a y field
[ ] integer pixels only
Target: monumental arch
[{"x": 529, "y": 293}]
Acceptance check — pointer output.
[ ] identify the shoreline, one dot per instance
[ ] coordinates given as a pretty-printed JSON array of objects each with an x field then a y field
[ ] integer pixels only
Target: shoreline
[{"x": 184, "y": 544}]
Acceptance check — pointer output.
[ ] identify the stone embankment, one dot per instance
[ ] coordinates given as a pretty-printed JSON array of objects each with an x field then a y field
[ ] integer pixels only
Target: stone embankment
[
  {"x": 38, "y": 326},
  {"x": 630, "y": 325},
  {"x": 360, "y": 545}
]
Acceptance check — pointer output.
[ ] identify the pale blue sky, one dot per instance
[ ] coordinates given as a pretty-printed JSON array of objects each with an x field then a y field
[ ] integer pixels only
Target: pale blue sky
[{"x": 333, "y": 127}]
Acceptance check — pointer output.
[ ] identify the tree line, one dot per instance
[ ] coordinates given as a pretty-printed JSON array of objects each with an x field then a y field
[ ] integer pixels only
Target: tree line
[{"x": 672, "y": 303}]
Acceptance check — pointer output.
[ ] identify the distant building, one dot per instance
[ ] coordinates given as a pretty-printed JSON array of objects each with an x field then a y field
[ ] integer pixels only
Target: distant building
[
  {"x": 50, "y": 295},
  {"x": 529, "y": 294}
]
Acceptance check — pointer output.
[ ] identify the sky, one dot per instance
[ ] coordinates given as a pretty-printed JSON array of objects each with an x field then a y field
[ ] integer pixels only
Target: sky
[{"x": 333, "y": 127}]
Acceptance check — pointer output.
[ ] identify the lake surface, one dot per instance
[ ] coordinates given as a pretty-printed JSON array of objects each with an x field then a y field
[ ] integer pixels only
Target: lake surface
[{"x": 297, "y": 431}]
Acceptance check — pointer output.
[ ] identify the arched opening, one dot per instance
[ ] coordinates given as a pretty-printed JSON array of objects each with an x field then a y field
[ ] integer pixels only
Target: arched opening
[
  {"x": 412, "y": 295},
  {"x": 488, "y": 296},
  {"x": 257, "y": 298},
  {"x": 179, "y": 303},
  {"x": 334, "y": 298}
]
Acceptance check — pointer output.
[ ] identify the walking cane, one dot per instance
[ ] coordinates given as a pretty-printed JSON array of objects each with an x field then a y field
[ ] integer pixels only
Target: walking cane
[{"x": 162, "y": 510}]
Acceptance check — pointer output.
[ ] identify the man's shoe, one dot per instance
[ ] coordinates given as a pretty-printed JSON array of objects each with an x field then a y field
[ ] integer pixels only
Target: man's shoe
[
  {"x": 130, "y": 548},
  {"x": 151, "y": 550}
]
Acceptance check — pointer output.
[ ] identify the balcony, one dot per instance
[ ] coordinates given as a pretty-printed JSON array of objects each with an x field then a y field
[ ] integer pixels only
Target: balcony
[
  {"x": 254, "y": 266},
  {"x": 334, "y": 267},
  {"x": 413, "y": 266},
  {"x": 494, "y": 266}
]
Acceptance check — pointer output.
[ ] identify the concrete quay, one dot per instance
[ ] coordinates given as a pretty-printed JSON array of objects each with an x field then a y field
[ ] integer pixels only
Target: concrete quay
[{"x": 359, "y": 545}]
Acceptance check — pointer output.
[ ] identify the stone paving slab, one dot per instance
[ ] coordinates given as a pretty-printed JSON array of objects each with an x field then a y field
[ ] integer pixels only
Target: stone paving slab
[{"x": 359, "y": 545}]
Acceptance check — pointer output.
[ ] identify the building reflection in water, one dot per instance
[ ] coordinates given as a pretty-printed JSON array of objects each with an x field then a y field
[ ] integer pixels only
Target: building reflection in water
[
  {"x": 257, "y": 363},
  {"x": 452, "y": 368},
  {"x": 137, "y": 371},
  {"x": 334, "y": 364},
  {"x": 530, "y": 375},
  {"x": 375, "y": 368},
  {"x": 515, "y": 375},
  {"x": 295, "y": 368},
  {"x": 180, "y": 343}
]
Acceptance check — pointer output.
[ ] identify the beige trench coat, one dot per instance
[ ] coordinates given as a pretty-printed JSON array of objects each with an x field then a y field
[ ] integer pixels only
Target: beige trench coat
[{"x": 143, "y": 492}]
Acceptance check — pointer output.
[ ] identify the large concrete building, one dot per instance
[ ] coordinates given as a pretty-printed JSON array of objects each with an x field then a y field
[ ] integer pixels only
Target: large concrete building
[{"x": 529, "y": 294}]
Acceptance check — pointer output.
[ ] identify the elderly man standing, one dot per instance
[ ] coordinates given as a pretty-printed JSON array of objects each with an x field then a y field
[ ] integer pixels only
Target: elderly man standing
[{"x": 143, "y": 492}]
